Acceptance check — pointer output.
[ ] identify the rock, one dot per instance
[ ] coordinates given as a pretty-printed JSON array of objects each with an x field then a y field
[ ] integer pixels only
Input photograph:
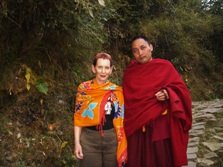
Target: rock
[
  {"x": 205, "y": 162},
  {"x": 213, "y": 146},
  {"x": 210, "y": 155}
]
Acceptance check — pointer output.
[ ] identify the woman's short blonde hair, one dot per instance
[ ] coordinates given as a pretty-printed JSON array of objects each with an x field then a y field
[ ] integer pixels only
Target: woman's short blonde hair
[{"x": 102, "y": 55}]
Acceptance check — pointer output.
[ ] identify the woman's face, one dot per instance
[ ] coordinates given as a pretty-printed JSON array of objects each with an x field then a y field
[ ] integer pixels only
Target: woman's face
[
  {"x": 142, "y": 50},
  {"x": 102, "y": 70}
]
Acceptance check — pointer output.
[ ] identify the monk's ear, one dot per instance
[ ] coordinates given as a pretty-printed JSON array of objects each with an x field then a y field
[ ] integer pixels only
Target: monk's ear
[
  {"x": 93, "y": 69},
  {"x": 151, "y": 47}
]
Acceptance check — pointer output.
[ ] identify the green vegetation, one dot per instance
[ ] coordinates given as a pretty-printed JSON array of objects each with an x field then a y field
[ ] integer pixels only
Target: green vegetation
[{"x": 47, "y": 47}]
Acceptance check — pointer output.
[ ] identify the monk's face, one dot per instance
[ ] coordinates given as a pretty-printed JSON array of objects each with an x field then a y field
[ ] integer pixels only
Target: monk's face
[
  {"x": 102, "y": 70},
  {"x": 142, "y": 50}
]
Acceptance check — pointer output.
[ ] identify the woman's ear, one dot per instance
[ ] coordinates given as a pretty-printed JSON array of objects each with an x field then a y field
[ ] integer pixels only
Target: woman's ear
[
  {"x": 111, "y": 70},
  {"x": 93, "y": 69}
]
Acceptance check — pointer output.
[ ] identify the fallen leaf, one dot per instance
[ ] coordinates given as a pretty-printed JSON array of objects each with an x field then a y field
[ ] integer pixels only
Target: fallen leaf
[
  {"x": 63, "y": 144},
  {"x": 101, "y": 2}
]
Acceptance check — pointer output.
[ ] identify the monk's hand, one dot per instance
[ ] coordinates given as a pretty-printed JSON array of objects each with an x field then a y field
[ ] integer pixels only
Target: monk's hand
[{"x": 162, "y": 95}]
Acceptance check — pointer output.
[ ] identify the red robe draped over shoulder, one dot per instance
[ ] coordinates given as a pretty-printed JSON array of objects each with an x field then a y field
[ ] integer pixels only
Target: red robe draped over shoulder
[{"x": 140, "y": 83}]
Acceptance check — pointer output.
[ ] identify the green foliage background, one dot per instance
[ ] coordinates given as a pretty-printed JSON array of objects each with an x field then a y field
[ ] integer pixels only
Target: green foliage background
[
  {"x": 57, "y": 38},
  {"x": 46, "y": 51}
]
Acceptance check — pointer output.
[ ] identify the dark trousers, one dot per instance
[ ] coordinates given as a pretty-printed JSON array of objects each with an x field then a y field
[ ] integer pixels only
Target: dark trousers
[{"x": 98, "y": 150}]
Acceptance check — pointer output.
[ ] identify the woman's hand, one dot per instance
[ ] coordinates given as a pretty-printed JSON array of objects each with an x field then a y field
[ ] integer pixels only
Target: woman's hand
[
  {"x": 162, "y": 95},
  {"x": 78, "y": 151},
  {"x": 78, "y": 148}
]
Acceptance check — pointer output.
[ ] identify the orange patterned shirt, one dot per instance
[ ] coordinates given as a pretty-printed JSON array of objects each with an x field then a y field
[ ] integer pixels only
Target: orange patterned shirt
[{"x": 89, "y": 110}]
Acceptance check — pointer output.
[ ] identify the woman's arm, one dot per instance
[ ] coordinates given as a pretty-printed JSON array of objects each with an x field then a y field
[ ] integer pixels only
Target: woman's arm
[{"x": 78, "y": 149}]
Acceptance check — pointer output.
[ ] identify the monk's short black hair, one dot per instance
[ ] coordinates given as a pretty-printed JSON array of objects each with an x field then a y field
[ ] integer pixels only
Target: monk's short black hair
[{"x": 141, "y": 37}]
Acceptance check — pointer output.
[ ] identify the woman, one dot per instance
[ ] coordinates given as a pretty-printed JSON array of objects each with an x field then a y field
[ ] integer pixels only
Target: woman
[{"x": 98, "y": 120}]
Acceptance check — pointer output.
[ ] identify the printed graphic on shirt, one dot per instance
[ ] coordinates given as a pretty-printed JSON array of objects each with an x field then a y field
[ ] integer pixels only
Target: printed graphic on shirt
[{"x": 108, "y": 107}]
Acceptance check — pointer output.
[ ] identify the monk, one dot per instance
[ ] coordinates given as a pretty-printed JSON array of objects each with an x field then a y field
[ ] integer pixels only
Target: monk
[{"x": 158, "y": 114}]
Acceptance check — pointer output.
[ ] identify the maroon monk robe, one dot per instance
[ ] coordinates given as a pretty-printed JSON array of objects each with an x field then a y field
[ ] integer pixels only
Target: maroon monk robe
[{"x": 140, "y": 83}]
